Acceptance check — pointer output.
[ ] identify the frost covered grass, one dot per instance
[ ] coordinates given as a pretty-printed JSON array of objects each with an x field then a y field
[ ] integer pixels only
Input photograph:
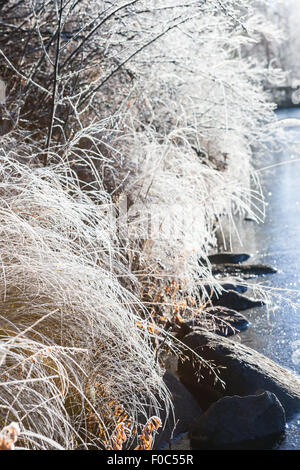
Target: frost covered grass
[
  {"x": 127, "y": 134},
  {"x": 69, "y": 335}
]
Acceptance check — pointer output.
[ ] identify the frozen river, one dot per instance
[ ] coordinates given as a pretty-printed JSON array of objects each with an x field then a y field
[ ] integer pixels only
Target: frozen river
[{"x": 277, "y": 242}]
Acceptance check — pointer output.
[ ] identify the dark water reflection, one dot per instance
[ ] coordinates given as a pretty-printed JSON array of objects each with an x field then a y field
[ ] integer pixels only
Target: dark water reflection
[{"x": 277, "y": 242}]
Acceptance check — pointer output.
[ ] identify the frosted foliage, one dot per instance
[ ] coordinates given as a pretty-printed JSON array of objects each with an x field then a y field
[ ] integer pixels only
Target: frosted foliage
[
  {"x": 127, "y": 134},
  {"x": 65, "y": 318}
]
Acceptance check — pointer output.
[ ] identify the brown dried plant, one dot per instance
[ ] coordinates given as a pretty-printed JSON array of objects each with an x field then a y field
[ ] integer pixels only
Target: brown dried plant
[
  {"x": 8, "y": 436},
  {"x": 146, "y": 437}
]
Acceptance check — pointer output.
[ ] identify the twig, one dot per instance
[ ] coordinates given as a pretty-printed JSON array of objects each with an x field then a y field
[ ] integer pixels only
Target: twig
[
  {"x": 140, "y": 49},
  {"x": 79, "y": 47},
  {"x": 56, "y": 70}
]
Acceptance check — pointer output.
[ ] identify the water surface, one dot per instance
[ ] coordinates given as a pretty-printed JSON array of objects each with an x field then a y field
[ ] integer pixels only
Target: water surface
[{"x": 277, "y": 242}]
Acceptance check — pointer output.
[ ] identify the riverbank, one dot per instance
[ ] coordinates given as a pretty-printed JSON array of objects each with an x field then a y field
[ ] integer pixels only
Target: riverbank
[
  {"x": 122, "y": 146},
  {"x": 268, "y": 390},
  {"x": 274, "y": 329},
  {"x": 276, "y": 242}
]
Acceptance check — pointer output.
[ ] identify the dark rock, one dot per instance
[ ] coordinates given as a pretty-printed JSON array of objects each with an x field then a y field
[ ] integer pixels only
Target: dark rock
[
  {"x": 205, "y": 395},
  {"x": 237, "y": 301},
  {"x": 227, "y": 321},
  {"x": 222, "y": 321},
  {"x": 221, "y": 258},
  {"x": 226, "y": 286},
  {"x": 231, "y": 297},
  {"x": 186, "y": 409},
  {"x": 237, "y": 422},
  {"x": 243, "y": 269},
  {"x": 243, "y": 370},
  {"x": 240, "y": 288}
]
